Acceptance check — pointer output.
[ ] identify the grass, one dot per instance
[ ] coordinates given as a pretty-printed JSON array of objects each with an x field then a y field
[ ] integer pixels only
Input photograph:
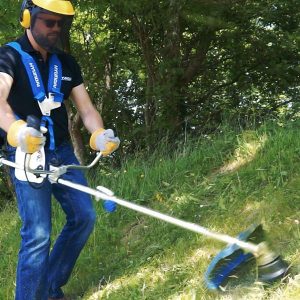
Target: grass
[{"x": 225, "y": 182}]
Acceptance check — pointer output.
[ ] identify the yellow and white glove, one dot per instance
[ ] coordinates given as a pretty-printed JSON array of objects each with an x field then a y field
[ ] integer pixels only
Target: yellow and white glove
[
  {"x": 104, "y": 140},
  {"x": 28, "y": 139}
]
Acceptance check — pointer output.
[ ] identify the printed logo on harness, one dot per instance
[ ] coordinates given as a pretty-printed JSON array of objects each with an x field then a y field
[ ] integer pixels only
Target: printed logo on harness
[
  {"x": 65, "y": 78},
  {"x": 35, "y": 76},
  {"x": 55, "y": 81}
]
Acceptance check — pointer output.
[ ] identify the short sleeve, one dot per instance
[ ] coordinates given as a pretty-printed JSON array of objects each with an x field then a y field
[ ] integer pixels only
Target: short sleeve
[
  {"x": 76, "y": 71},
  {"x": 8, "y": 61}
]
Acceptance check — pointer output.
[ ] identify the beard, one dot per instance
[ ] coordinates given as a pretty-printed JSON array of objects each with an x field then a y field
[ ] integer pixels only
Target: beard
[{"x": 48, "y": 42}]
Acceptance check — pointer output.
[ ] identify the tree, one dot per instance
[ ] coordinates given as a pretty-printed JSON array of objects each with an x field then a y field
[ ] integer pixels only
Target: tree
[{"x": 161, "y": 68}]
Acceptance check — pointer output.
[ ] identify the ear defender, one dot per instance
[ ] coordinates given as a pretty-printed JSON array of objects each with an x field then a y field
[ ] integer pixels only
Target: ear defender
[
  {"x": 25, "y": 18},
  {"x": 25, "y": 13}
]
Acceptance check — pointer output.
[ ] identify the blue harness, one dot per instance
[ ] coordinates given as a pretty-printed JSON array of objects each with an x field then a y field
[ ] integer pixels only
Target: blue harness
[{"x": 37, "y": 86}]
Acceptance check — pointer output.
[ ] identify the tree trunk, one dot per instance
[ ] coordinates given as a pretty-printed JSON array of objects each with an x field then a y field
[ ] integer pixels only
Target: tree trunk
[
  {"x": 75, "y": 122},
  {"x": 173, "y": 104},
  {"x": 151, "y": 81},
  {"x": 75, "y": 125}
]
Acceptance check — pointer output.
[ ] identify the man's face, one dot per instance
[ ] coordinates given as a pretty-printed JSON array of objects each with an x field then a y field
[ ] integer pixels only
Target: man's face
[{"x": 47, "y": 29}]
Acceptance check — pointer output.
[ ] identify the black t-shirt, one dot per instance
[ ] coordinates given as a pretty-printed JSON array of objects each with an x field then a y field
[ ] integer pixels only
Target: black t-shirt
[{"x": 21, "y": 97}]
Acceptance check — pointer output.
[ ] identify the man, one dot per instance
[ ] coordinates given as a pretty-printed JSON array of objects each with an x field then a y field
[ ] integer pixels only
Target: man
[{"x": 35, "y": 78}]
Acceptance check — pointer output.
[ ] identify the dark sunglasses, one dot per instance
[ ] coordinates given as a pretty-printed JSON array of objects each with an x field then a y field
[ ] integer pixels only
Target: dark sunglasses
[{"x": 51, "y": 23}]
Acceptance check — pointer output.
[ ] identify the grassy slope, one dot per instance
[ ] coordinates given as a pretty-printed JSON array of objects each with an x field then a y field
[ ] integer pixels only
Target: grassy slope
[{"x": 223, "y": 182}]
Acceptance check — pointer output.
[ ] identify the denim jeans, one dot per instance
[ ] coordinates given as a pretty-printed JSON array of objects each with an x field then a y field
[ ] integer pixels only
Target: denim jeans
[{"x": 40, "y": 272}]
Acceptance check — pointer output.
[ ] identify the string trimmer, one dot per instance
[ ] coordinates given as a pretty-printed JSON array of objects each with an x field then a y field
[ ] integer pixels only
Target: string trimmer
[{"x": 270, "y": 265}]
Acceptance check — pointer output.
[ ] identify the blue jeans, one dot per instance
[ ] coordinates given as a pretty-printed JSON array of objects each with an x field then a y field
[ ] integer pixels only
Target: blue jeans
[{"x": 41, "y": 273}]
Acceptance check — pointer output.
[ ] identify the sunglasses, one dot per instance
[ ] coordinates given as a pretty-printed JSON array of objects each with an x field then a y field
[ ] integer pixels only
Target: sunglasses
[{"x": 51, "y": 23}]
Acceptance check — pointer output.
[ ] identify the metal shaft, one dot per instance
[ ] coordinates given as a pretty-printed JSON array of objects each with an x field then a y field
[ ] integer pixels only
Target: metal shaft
[
  {"x": 10, "y": 163},
  {"x": 249, "y": 247},
  {"x": 54, "y": 178}
]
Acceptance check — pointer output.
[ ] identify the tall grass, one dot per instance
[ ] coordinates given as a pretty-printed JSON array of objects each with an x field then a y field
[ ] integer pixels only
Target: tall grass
[{"x": 225, "y": 182}]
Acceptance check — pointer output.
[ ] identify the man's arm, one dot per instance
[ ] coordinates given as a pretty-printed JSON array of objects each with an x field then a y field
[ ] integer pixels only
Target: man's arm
[
  {"x": 91, "y": 118},
  {"x": 101, "y": 139},
  {"x": 6, "y": 114}
]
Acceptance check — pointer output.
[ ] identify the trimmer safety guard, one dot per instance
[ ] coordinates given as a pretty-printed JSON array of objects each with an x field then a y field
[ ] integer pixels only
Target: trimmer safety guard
[{"x": 228, "y": 260}]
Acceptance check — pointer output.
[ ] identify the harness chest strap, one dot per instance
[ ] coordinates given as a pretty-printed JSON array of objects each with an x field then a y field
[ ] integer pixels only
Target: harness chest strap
[{"x": 38, "y": 89}]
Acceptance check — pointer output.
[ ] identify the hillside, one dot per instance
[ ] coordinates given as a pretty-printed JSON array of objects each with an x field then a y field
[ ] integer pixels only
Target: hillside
[{"x": 225, "y": 182}]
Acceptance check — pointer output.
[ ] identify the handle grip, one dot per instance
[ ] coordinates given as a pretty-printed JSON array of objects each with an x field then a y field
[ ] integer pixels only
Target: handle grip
[
  {"x": 110, "y": 147},
  {"x": 34, "y": 122}
]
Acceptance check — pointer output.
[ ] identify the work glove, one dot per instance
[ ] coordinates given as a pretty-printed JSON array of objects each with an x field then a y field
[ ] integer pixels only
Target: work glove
[
  {"x": 104, "y": 140},
  {"x": 27, "y": 138}
]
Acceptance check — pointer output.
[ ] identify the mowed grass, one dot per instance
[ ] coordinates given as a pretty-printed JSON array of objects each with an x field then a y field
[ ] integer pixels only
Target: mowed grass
[{"x": 225, "y": 182}]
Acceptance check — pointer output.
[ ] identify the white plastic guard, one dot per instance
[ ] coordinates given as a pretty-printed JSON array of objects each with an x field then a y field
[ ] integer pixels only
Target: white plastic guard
[{"x": 34, "y": 161}]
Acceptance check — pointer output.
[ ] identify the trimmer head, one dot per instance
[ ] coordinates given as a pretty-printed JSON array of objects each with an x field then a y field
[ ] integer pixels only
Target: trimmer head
[
  {"x": 271, "y": 266},
  {"x": 231, "y": 258}
]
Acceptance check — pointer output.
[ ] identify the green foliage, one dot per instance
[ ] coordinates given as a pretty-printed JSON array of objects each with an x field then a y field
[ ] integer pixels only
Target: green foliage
[
  {"x": 224, "y": 181},
  {"x": 6, "y": 194},
  {"x": 163, "y": 68},
  {"x": 156, "y": 68},
  {"x": 9, "y": 20}
]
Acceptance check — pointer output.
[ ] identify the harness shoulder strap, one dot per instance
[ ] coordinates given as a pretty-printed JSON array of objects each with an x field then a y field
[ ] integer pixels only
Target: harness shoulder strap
[
  {"x": 37, "y": 86},
  {"x": 33, "y": 72}
]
